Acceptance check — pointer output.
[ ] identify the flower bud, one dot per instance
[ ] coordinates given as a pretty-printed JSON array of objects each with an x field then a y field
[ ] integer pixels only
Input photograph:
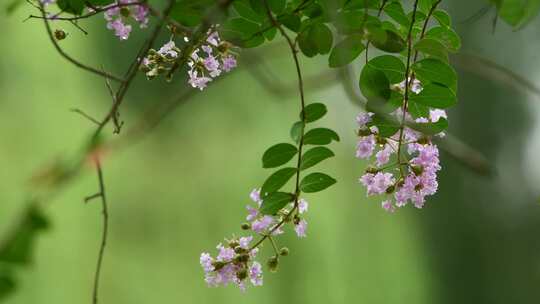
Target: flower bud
[
  {"x": 381, "y": 140},
  {"x": 418, "y": 170},
  {"x": 124, "y": 11},
  {"x": 242, "y": 274},
  {"x": 390, "y": 189},
  {"x": 372, "y": 170},
  {"x": 245, "y": 226},
  {"x": 59, "y": 35},
  {"x": 218, "y": 265},
  {"x": 273, "y": 263},
  {"x": 423, "y": 140},
  {"x": 364, "y": 132},
  {"x": 284, "y": 251}
]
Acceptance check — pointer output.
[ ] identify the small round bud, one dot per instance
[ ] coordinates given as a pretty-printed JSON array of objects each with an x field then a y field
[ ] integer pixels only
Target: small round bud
[
  {"x": 273, "y": 263},
  {"x": 372, "y": 170},
  {"x": 381, "y": 140},
  {"x": 218, "y": 265},
  {"x": 124, "y": 11},
  {"x": 390, "y": 189},
  {"x": 60, "y": 34},
  {"x": 400, "y": 183},
  {"x": 233, "y": 244},
  {"x": 364, "y": 132},
  {"x": 242, "y": 274},
  {"x": 418, "y": 170},
  {"x": 423, "y": 141},
  {"x": 245, "y": 226},
  {"x": 296, "y": 219},
  {"x": 284, "y": 251}
]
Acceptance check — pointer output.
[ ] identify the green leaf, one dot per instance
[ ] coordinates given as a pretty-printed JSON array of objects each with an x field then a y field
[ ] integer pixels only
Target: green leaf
[
  {"x": 425, "y": 5},
  {"x": 443, "y": 18},
  {"x": 275, "y": 201},
  {"x": 75, "y": 7},
  {"x": 446, "y": 36},
  {"x": 346, "y": 51},
  {"x": 277, "y": 6},
  {"x": 518, "y": 12},
  {"x": 306, "y": 44},
  {"x": 314, "y": 111},
  {"x": 395, "y": 11},
  {"x": 277, "y": 180},
  {"x": 320, "y": 136},
  {"x": 19, "y": 248},
  {"x": 391, "y": 66},
  {"x": 432, "y": 47},
  {"x": 430, "y": 128},
  {"x": 297, "y": 130},
  {"x": 291, "y": 21},
  {"x": 435, "y": 96},
  {"x": 7, "y": 285},
  {"x": 190, "y": 13},
  {"x": 243, "y": 8},
  {"x": 386, "y": 124},
  {"x": 322, "y": 36},
  {"x": 315, "y": 156},
  {"x": 278, "y": 155},
  {"x": 374, "y": 83},
  {"x": 242, "y": 32},
  {"x": 316, "y": 182},
  {"x": 392, "y": 44},
  {"x": 417, "y": 110},
  {"x": 434, "y": 70}
]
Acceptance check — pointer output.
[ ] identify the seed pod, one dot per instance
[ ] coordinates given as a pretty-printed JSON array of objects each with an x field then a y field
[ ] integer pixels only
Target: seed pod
[
  {"x": 245, "y": 226},
  {"x": 284, "y": 251},
  {"x": 242, "y": 274}
]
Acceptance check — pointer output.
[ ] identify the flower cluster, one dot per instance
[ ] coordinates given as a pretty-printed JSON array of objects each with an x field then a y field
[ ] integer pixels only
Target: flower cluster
[
  {"x": 119, "y": 13},
  {"x": 235, "y": 262},
  {"x": 405, "y": 163},
  {"x": 205, "y": 63}
]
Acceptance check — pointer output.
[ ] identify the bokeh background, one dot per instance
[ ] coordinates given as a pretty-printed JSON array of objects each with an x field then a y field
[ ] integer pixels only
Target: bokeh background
[{"x": 184, "y": 187}]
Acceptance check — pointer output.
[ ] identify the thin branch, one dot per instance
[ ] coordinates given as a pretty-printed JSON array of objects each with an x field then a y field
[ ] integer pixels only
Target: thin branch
[
  {"x": 105, "y": 231},
  {"x": 83, "y": 114},
  {"x": 66, "y": 56}
]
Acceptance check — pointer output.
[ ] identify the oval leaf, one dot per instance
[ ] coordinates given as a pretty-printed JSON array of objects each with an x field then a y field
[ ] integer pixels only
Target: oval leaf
[
  {"x": 296, "y": 131},
  {"x": 277, "y": 180},
  {"x": 274, "y": 202},
  {"x": 434, "y": 70},
  {"x": 374, "y": 83},
  {"x": 320, "y": 136},
  {"x": 314, "y": 111},
  {"x": 391, "y": 66},
  {"x": 278, "y": 155},
  {"x": 316, "y": 182},
  {"x": 346, "y": 51},
  {"x": 435, "y": 96},
  {"x": 315, "y": 156}
]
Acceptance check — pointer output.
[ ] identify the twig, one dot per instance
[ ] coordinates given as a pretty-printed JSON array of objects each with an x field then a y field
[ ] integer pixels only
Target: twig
[
  {"x": 105, "y": 231},
  {"x": 66, "y": 56}
]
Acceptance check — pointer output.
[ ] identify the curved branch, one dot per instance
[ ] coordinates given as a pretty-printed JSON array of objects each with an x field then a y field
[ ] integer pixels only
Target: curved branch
[{"x": 68, "y": 57}]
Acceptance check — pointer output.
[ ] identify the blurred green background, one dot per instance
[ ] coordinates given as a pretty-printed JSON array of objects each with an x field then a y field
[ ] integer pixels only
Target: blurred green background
[{"x": 184, "y": 188}]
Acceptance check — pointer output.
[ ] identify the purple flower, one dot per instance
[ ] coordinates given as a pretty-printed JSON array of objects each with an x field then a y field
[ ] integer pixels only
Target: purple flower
[
  {"x": 255, "y": 196},
  {"x": 377, "y": 183},
  {"x": 261, "y": 224},
  {"x": 363, "y": 119},
  {"x": 212, "y": 65},
  {"x": 226, "y": 254},
  {"x": 229, "y": 63},
  {"x": 365, "y": 146},
  {"x": 244, "y": 242},
  {"x": 206, "y": 262},
  {"x": 387, "y": 205},
  {"x": 255, "y": 274},
  {"x": 300, "y": 228},
  {"x": 302, "y": 206},
  {"x": 168, "y": 49},
  {"x": 383, "y": 156}
]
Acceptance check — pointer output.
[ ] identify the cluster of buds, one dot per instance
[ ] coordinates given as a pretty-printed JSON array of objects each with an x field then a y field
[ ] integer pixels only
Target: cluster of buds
[
  {"x": 205, "y": 63},
  {"x": 235, "y": 262},
  {"x": 413, "y": 157}
]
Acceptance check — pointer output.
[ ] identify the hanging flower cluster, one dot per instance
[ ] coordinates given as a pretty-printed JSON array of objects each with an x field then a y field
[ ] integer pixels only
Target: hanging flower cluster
[
  {"x": 235, "y": 262},
  {"x": 205, "y": 62},
  {"x": 405, "y": 163},
  {"x": 117, "y": 17}
]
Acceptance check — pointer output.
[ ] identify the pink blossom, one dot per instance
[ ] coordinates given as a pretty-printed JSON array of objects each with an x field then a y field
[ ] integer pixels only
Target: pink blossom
[
  {"x": 300, "y": 228},
  {"x": 365, "y": 146}
]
